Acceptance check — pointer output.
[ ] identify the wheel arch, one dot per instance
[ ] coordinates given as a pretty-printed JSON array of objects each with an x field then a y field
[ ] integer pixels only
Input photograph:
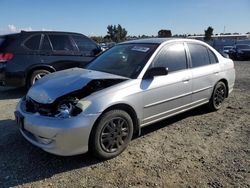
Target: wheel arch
[
  {"x": 38, "y": 67},
  {"x": 130, "y": 110},
  {"x": 125, "y": 107},
  {"x": 226, "y": 83}
]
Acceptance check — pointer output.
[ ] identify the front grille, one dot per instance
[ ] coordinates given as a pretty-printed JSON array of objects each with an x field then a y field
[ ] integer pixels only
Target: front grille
[
  {"x": 31, "y": 105},
  {"x": 34, "y": 107}
]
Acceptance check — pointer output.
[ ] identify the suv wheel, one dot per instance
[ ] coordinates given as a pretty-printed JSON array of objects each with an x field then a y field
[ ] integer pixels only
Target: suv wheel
[
  {"x": 218, "y": 96},
  {"x": 112, "y": 134},
  {"x": 36, "y": 75}
]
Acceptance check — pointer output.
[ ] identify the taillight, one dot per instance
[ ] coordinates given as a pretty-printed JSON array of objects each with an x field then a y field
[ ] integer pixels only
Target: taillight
[{"x": 5, "y": 57}]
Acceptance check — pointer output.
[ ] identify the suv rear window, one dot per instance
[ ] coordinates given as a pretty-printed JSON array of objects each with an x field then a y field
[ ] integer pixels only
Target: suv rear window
[
  {"x": 33, "y": 43},
  {"x": 61, "y": 42}
]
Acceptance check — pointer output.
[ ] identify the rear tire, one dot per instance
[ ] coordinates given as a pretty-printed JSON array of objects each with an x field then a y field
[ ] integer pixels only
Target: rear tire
[
  {"x": 218, "y": 96},
  {"x": 36, "y": 75},
  {"x": 111, "y": 135}
]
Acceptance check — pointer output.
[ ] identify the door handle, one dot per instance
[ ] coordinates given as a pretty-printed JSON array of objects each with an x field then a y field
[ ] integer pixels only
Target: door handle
[{"x": 216, "y": 73}]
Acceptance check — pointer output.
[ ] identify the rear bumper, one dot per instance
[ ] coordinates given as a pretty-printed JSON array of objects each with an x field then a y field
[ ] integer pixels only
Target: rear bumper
[{"x": 16, "y": 79}]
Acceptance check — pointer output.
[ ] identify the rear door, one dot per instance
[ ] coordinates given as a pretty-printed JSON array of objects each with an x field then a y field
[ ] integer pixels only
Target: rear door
[
  {"x": 58, "y": 50},
  {"x": 205, "y": 72}
]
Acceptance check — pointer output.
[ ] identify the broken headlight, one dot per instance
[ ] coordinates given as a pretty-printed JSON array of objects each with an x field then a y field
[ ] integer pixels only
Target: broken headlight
[
  {"x": 67, "y": 108},
  {"x": 64, "y": 110}
]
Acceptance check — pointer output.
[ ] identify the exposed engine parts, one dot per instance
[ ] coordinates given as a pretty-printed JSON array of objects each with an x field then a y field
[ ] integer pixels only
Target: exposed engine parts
[
  {"x": 65, "y": 106},
  {"x": 63, "y": 109}
]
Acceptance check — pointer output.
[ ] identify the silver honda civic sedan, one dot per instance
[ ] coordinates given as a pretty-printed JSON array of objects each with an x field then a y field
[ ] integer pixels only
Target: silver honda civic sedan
[{"x": 131, "y": 85}]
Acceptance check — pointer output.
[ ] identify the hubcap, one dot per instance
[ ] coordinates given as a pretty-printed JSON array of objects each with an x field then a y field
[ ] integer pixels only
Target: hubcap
[
  {"x": 114, "y": 134},
  {"x": 38, "y": 76},
  {"x": 219, "y": 96}
]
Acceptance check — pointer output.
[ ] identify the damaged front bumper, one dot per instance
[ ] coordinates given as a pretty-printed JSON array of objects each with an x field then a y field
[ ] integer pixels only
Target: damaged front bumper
[{"x": 58, "y": 136}]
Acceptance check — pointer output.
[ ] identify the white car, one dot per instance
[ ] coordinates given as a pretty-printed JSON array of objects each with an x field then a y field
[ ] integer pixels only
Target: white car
[{"x": 129, "y": 86}]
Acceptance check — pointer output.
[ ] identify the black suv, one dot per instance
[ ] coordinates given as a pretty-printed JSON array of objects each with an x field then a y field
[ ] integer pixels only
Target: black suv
[{"x": 27, "y": 56}]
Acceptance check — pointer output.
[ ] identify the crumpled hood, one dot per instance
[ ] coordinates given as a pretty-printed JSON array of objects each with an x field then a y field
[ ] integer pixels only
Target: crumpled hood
[{"x": 52, "y": 86}]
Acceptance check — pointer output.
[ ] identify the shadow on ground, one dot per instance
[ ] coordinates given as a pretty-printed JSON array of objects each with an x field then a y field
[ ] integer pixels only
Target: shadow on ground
[
  {"x": 11, "y": 93},
  {"x": 172, "y": 120},
  {"x": 21, "y": 163}
]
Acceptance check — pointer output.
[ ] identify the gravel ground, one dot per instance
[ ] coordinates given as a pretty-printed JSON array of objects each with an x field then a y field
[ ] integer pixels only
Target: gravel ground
[{"x": 194, "y": 149}]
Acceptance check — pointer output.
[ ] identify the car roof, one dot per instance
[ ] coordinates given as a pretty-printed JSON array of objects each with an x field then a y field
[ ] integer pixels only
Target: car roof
[
  {"x": 149, "y": 40},
  {"x": 9, "y": 35},
  {"x": 158, "y": 40},
  {"x": 59, "y": 32},
  {"x": 32, "y": 32}
]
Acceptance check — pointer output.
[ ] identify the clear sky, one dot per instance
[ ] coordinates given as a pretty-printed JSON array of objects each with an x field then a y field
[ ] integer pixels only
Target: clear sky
[{"x": 139, "y": 17}]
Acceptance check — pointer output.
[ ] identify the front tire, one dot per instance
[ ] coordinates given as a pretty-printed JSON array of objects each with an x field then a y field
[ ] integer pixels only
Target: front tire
[
  {"x": 218, "y": 96},
  {"x": 112, "y": 134}
]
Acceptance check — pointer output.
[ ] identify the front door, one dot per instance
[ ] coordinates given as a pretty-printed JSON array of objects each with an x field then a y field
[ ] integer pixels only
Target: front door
[{"x": 166, "y": 95}]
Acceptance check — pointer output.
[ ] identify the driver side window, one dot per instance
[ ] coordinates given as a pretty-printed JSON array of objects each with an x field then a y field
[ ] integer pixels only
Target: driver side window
[{"x": 172, "y": 57}]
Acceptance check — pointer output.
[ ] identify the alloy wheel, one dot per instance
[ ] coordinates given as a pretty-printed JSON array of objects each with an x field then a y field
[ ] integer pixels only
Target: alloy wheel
[
  {"x": 114, "y": 134},
  {"x": 219, "y": 96}
]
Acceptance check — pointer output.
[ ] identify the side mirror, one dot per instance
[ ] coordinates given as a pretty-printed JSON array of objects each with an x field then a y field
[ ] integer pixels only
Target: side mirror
[{"x": 155, "y": 71}]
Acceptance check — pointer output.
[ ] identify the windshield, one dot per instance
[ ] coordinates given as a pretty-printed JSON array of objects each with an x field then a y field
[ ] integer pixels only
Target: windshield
[{"x": 124, "y": 60}]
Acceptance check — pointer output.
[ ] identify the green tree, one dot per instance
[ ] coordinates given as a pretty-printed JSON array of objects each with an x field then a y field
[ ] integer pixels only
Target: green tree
[
  {"x": 110, "y": 32},
  {"x": 116, "y": 33},
  {"x": 208, "y": 33},
  {"x": 164, "y": 33},
  {"x": 97, "y": 39}
]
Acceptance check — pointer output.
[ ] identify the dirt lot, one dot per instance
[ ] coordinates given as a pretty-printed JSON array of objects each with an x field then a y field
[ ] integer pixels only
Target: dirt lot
[{"x": 195, "y": 149}]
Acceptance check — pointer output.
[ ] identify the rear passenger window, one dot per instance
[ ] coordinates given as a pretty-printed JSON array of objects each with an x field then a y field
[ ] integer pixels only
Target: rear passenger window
[
  {"x": 33, "y": 43},
  {"x": 61, "y": 43},
  {"x": 172, "y": 57},
  {"x": 212, "y": 57},
  {"x": 199, "y": 55},
  {"x": 85, "y": 45},
  {"x": 46, "y": 44}
]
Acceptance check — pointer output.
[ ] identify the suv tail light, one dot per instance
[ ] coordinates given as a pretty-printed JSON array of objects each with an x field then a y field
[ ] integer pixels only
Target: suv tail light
[{"x": 5, "y": 57}]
